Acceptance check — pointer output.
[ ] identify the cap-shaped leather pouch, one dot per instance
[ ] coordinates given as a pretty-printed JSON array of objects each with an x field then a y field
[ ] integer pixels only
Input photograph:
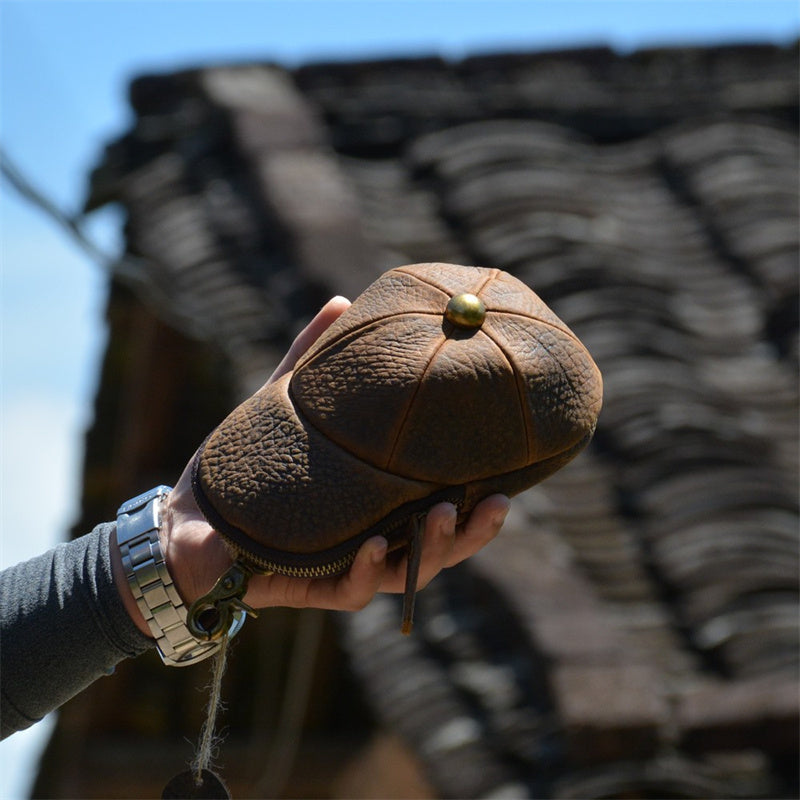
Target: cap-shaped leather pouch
[{"x": 440, "y": 382}]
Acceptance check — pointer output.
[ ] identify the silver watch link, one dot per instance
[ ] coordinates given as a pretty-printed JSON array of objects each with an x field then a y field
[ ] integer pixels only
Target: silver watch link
[{"x": 138, "y": 524}]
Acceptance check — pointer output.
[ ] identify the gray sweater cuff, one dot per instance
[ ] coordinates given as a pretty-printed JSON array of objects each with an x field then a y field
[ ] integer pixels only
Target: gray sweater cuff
[{"x": 63, "y": 626}]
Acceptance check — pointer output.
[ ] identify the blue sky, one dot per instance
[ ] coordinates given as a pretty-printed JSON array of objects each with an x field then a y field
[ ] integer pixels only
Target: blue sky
[{"x": 64, "y": 68}]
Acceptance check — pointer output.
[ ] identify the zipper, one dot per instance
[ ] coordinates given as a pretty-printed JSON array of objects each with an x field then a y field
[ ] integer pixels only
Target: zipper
[
  {"x": 267, "y": 567},
  {"x": 211, "y": 615},
  {"x": 341, "y": 563}
]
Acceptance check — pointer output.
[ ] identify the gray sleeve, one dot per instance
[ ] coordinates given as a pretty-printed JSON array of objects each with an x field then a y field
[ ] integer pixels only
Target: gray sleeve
[{"x": 62, "y": 626}]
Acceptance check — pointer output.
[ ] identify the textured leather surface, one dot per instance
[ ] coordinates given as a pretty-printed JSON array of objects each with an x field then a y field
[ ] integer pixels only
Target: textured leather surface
[{"x": 395, "y": 407}]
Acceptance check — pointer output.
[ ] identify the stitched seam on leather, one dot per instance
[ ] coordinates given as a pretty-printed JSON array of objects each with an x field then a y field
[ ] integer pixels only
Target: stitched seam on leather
[
  {"x": 306, "y": 421},
  {"x": 399, "y": 429},
  {"x": 521, "y": 394},
  {"x": 545, "y": 322},
  {"x": 423, "y": 281},
  {"x": 494, "y": 273},
  {"x": 360, "y": 330},
  {"x": 428, "y": 282},
  {"x": 564, "y": 372},
  {"x": 374, "y": 321},
  {"x": 309, "y": 357}
]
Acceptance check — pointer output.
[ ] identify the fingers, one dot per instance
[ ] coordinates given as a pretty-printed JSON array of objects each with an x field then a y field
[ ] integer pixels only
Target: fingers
[
  {"x": 444, "y": 544},
  {"x": 358, "y": 586},
  {"x": 482, "y": 525},
  {"x": 327, "y": 315},
  {"x": 348, "y": 592},
  {"x": 437, "y": 545}
]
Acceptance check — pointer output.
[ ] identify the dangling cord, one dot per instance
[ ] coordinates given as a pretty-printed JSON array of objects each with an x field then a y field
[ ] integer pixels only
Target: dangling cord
[
  {"x": 416, "y": 534},
  {"x": 208, "y": 741}
]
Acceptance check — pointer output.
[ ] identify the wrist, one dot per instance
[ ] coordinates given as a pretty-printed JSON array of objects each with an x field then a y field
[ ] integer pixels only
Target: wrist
[
  {"x": 139, "y": 531},
  {"x": 194, "y": 552}
]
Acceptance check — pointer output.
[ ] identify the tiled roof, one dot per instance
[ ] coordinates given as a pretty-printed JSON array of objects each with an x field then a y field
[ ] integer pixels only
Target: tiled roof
[{"x": 640, "y": 609}]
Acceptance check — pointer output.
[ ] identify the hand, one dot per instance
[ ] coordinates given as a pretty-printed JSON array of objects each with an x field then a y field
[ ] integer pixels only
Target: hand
[{"x": 196, "y": 555}]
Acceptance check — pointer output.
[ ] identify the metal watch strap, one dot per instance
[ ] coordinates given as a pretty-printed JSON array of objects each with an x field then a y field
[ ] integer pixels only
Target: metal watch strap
[{"x": 138, "y": 523}]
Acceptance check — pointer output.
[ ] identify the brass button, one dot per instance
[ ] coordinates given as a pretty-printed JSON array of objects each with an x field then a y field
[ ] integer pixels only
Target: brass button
[{"x": 466, "y": 311}]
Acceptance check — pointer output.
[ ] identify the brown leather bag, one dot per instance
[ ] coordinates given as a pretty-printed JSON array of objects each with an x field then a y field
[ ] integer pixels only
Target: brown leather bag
[{"x": 440, "y": 382}]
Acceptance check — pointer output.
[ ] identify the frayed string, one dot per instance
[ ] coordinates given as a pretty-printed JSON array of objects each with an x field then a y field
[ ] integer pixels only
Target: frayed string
[{"x": 208, "y": 740}]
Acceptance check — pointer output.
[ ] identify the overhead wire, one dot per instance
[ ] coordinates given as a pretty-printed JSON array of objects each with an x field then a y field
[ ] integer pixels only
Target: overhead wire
[{"x": 139, "y": 274}]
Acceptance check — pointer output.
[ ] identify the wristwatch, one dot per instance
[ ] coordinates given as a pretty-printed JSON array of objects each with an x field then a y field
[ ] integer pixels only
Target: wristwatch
[{"x": 138, "y": 523}]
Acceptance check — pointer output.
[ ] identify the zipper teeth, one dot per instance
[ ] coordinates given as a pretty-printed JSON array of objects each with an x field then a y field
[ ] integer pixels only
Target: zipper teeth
[
  {"x": 320, "y": 571},
  {"x": 334, "y": 567}
]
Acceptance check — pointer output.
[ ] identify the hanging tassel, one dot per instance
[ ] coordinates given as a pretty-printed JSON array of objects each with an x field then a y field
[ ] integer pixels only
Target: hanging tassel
[{"x": 199, "y": 781}]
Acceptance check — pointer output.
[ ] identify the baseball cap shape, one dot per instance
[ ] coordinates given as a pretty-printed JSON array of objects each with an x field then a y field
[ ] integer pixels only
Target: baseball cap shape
[{"x": 439, "y": 382}]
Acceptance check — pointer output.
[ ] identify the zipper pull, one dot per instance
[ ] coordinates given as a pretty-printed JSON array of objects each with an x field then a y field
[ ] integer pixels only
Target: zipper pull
[{"x": 414, "y": 551}]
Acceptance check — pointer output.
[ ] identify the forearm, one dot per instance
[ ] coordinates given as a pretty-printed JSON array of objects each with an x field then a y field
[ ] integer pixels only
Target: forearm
[{"x": 63, "y": 624}]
